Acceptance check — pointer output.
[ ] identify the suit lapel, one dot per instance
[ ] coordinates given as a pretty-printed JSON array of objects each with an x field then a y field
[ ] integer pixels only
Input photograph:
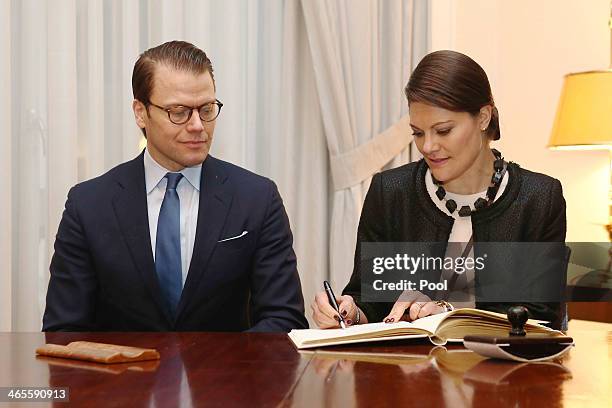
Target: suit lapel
[
  {"x": 130, "y": 205},
  {"x": 215, "y": 201}
]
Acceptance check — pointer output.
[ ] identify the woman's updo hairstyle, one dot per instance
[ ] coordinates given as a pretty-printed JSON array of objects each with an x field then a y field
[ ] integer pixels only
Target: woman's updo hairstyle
[{"x": 455, "y": 82}]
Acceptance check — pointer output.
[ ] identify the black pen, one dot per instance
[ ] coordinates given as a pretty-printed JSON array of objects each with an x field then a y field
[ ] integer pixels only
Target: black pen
[{"x": 332, "y": 301}]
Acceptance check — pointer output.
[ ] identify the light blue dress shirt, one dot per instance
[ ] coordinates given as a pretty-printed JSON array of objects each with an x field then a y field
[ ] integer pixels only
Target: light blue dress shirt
[{"x": 188, "y": 190}]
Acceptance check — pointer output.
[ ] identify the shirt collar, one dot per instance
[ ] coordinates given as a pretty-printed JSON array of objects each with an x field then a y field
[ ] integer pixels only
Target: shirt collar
[{"x": 155, "y": 172}]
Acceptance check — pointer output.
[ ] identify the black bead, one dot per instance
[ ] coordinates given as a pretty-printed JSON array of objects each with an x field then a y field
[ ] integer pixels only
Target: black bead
[
  {"x": 496, "y": 179},
  {"x": 491, "y": 191},
  {"x": 451, "y": 206},
  {"x": 441, "y": 193},
  {"x": 465, "y": 211},
  {"x": 480, "y": 203}
]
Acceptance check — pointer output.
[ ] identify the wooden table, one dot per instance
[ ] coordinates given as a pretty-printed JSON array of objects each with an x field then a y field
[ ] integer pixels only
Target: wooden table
[{"x": 235, "y": 369}]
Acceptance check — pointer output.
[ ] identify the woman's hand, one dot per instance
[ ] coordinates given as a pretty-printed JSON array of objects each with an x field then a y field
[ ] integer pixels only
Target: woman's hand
[
  {"x": 326, "y": 317},
  {"x": 413, "y": 305}
]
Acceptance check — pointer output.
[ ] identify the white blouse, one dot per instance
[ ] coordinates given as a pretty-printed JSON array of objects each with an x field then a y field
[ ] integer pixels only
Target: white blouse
[{"x": 461, "y": 231}]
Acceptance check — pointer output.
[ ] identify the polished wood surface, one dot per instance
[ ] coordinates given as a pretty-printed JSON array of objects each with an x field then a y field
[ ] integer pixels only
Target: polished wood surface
[
  {"x": 597, "y": 311},
  {"x": 239, "y": 369}
]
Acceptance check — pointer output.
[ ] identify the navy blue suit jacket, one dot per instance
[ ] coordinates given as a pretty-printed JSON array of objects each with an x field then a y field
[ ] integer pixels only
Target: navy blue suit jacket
[{"x": 103, "y": 274}]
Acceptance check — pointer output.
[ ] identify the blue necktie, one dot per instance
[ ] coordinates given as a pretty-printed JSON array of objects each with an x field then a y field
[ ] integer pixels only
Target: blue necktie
[{"x": 168, "y": 244}]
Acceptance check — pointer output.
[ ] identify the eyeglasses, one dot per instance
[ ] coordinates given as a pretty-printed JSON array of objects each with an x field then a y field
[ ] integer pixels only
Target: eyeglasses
[{"x": 179, "y": 115}]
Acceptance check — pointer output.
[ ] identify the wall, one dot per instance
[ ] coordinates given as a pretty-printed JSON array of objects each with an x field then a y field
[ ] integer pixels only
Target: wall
[{"x": 526, "y": 47}]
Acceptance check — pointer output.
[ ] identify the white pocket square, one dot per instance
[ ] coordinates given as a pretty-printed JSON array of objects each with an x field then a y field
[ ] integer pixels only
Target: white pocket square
[{"x": 236, "y": 237}]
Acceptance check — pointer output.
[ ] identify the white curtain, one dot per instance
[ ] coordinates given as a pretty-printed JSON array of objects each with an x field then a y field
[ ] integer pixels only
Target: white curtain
[
  {"x": 65, "y": 113},
  {"x": 6, "y": 154},
  {"x": 362, "y": 51}
]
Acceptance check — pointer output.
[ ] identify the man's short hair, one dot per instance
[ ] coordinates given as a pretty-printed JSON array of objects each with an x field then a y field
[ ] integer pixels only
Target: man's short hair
[{"x": 180, "y": 55}]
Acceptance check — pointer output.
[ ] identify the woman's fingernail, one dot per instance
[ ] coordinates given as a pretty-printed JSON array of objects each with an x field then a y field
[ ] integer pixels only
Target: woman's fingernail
[
  {"x": 391, "y": 320},
  {"x": 344, "y": 313},
  {"x": 349, "y": 322},
  {"x": 387, "y": 320},
  {"x": 337, "y": 318}
]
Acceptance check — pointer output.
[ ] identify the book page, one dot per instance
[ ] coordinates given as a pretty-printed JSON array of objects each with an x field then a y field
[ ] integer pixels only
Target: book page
[
  {"x": 452, "y": 326},
  {"x": 430, "y": 323},
  {"x": 370, "y": 331},
  {"x": 463, "y": 322},
  {"x": 427, "y": 324}
]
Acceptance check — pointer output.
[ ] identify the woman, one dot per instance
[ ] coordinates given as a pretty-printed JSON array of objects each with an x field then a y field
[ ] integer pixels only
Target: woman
[{"x": 461, "y": 191}]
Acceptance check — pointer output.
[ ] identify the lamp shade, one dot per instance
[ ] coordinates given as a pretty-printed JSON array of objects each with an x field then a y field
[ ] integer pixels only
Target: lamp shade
[{"x": 584, "y": 114}]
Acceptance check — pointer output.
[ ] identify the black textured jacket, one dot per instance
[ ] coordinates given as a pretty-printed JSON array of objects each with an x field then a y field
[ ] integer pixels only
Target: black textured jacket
[{"x": 398, "y": 208}]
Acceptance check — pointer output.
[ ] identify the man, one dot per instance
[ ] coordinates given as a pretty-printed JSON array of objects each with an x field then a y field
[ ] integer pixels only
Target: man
[{"x": 174, "y": 239}]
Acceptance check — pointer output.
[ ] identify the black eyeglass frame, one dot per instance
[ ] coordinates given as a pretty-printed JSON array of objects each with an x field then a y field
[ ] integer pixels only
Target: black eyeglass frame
[{"x": 191, "y": 108}]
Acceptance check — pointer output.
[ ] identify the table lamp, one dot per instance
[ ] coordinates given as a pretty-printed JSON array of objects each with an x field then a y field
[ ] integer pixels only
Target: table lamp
[{"x": 584, "y": 116}]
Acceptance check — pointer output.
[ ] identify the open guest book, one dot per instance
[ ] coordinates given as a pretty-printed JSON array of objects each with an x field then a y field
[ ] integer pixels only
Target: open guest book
[{"x": 440, "y": 328}]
